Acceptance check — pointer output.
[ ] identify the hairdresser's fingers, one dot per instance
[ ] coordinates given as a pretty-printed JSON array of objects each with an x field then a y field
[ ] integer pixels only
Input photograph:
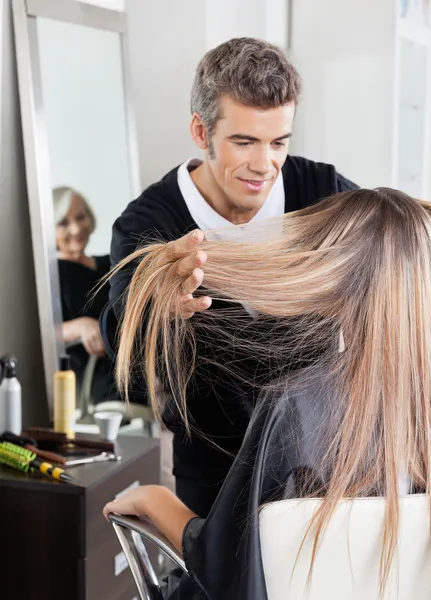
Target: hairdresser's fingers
[
  {"x": 195, "y": 260},
  {"x": 186, "y": 244},
  {"x": 192, "y": 283},
  {"x": 191, "y": 305}
]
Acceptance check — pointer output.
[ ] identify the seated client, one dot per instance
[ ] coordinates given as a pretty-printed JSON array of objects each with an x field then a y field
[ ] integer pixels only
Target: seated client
[{"x": 353, "y": 422}]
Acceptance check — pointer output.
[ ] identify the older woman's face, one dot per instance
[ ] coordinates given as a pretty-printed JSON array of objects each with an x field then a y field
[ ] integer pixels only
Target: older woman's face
[{"x": 73, "y": 232}]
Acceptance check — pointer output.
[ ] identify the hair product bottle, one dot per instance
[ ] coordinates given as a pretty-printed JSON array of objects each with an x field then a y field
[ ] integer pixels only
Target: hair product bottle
[
  {"x": 10, "y": 396},
  {"x": 64, "y": 397}
]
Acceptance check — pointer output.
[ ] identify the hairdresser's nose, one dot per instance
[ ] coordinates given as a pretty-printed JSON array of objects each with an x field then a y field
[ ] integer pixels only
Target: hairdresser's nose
[{"x": 260, "y": 161}]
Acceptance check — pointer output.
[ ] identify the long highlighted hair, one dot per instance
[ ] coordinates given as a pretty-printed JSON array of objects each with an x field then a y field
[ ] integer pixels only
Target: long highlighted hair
[{"x": 358, "y": 262}]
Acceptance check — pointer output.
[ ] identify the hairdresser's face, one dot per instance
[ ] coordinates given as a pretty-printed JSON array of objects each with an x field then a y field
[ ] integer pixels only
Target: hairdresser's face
[
  {"x": 248, "y": 149},
  {"x": 73, "y": 232}
]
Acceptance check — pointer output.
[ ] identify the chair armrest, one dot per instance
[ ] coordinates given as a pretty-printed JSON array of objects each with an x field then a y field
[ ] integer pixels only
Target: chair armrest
[{"x": 145, "y": 528}]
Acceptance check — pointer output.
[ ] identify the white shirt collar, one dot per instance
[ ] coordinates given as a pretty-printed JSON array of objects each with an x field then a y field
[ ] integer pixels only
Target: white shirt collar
[{"x": 207, "y": 218}]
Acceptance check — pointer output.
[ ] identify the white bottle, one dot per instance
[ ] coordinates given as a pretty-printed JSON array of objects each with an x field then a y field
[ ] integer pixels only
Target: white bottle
[{"x": 10, "y": 396}]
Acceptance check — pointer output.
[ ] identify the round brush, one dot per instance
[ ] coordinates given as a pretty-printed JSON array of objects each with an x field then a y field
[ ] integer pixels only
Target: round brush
[
  {"x": 30, "y": 444},
  {"x": 25, "y": 460}
]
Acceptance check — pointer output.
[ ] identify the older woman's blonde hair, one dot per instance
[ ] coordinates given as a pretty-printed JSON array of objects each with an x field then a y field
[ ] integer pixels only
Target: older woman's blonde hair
[{"x": 62, "y": 197}]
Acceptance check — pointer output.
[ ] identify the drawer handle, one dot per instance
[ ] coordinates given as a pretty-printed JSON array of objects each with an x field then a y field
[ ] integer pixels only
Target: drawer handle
[
  {"x": 120, "y": 564},
  {"x": 129, "y": 488}
]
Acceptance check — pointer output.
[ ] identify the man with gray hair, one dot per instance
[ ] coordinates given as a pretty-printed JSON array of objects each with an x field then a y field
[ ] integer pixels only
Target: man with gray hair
[{"x": 243, "y": 105}]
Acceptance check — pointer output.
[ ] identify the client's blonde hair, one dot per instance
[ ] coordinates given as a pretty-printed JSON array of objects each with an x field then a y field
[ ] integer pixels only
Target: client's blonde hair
[{"x": 359, "y": 261}]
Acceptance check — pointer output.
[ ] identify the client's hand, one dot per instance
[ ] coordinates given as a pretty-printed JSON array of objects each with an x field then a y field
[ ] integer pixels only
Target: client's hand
[
  {"x": 89, "y": 332},
  {"x": 189, "y": 266},
  {"x": 160, "y": 505},
  {"x": 131, "y": 503}
]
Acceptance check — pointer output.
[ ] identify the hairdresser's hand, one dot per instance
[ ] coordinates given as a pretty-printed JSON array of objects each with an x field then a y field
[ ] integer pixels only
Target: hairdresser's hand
[
  {"x": 190, "y": 262},
  {"x": 89, "y": 332}
]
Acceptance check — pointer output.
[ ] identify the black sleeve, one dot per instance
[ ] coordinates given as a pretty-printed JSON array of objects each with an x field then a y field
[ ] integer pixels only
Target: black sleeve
[
  {"x": 144, "y": 221},
  {"x": 64, "y": 306},
  {"x": 344, "y": 184},
  {"x": 67, "y": 283},
  {"x": 130, "y": 230}
]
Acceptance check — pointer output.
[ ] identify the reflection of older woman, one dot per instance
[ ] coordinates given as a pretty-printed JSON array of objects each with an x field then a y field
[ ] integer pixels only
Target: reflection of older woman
[{"x": 79, "y": 274}]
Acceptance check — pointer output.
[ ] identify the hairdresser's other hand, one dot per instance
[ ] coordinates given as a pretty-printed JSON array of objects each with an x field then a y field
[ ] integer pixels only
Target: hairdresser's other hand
[
  {"x": 190, "y": 262},
  {"x": 90, "y": 336}
]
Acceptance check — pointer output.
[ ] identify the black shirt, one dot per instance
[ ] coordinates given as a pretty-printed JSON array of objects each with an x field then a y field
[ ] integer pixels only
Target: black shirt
[
  {"x": 77, "y": 285},
  {"x": 218, "y": 406}
]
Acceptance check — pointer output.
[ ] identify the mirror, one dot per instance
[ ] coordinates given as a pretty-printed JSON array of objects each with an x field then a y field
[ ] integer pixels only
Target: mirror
[
  {"x": 85, "y": 114},
  {"x": 80, "y": 160},
  {"x": 82, "y": 91}
]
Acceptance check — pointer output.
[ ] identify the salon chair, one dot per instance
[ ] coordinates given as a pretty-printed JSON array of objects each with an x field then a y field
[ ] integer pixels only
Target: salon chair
[{"x": 347, "y": 563}]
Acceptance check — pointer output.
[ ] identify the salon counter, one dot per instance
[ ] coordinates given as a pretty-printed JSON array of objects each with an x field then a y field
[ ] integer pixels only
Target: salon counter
[{"x": 55, "y": 540}]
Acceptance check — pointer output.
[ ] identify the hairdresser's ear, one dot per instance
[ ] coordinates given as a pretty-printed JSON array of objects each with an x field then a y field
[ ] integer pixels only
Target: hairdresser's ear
[{"x": 199, "y": 132}]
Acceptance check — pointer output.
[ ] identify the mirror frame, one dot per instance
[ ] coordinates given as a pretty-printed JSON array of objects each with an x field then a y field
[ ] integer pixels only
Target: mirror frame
[{"x": 36, "y": 153}]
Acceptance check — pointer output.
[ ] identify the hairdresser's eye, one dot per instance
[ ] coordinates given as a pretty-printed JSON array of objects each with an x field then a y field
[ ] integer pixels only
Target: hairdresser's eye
[
  {"x": 243, "y": 144},
  {"x": 279, "y": 144}
]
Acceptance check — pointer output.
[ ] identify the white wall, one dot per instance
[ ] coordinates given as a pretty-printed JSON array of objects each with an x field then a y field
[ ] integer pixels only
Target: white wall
[
  {"x": 265, "y": 19},
  {"x": 226, "y": 19},
  {"x": 112, "y": 4},
  {"x": 344, "y": 52},
  {"x": 82, "y": 88},
  {"x": 167, "y": 40}
]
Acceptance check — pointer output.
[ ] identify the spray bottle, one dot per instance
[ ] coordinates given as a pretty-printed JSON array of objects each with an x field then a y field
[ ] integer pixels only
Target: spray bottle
[{"x": 10, "y": 396}]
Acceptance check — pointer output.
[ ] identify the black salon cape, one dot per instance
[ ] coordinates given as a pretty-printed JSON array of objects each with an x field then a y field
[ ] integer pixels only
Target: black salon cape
[
  {"x": 222, "y": 552},
  {"x": 219, "y": 405}
]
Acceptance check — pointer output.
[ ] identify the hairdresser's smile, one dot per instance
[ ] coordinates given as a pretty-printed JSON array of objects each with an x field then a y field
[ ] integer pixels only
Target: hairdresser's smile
[{"x": 255, "y": 185}]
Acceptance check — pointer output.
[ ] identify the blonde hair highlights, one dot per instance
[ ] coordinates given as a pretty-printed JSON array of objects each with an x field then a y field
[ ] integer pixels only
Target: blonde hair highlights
[{"x": 359, "y": 261}]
